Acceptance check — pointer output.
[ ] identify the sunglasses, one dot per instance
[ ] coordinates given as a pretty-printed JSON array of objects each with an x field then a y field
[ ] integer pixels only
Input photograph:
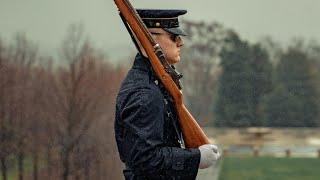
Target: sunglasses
[{"x": 173, "y": 37}]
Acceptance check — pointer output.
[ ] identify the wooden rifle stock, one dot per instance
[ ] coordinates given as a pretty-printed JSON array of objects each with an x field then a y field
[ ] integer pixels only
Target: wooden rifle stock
[{"x": 193, "y": 135}]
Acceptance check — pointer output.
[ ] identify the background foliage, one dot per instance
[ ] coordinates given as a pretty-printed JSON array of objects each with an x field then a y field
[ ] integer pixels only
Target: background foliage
[{"x": 56, "y": 119}]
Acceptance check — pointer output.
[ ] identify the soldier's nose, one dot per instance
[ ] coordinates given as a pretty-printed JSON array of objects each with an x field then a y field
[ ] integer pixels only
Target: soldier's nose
[{"x": 180, "y": 42}]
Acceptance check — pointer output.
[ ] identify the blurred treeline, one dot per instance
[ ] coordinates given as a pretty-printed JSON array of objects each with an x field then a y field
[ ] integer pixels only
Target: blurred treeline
[
  {"x": 230, "y": 82},
  {"x": 56, "y": 121}
]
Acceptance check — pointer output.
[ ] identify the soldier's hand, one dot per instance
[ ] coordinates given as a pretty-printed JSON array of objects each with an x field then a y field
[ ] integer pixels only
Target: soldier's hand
[{"x": 209, "y": 155}]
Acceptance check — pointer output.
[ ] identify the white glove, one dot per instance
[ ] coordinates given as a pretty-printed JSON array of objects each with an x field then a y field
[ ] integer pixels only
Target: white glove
[{"x": 209, "y": 155}]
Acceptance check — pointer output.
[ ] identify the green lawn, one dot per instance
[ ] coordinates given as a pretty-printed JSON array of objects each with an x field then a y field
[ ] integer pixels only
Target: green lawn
[
  {"x": 269, "y": 168},
  {"x": 13, "y": 169}
]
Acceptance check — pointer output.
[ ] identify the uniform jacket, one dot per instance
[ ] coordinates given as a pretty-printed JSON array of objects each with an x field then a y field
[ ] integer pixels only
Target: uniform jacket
[{"x": 147, "y": 131}]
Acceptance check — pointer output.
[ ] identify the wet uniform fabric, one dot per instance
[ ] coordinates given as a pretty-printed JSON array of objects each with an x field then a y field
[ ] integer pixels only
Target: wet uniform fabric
[{"x": 147, "y": 130}]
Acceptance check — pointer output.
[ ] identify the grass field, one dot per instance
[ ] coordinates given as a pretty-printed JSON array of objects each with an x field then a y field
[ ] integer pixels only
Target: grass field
[
  {"x": 13, "y": 169},
  {"x": 269, "y": 168}
]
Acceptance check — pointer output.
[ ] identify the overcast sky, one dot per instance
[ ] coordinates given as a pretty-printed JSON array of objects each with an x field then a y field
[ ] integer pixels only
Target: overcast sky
[{"x": 45, "y": 21}]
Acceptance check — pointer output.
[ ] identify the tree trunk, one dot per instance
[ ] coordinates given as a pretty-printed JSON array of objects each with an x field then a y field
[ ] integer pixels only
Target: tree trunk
[
  {"x": 20, "y": 165},
  {"x": 35, "y": 165},
  {"x": 87, "y": 170},
  {"x": 49, "y": 162},
  {"x": 4, "y": 168},
  {"x": 65, "y": 165},
  {"x": 77, "y": 176},
  {"x": 98, "y": 170}
]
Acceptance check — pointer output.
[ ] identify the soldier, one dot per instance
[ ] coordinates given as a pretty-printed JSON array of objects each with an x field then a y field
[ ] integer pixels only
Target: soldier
[{"x": 147, "y": 131}]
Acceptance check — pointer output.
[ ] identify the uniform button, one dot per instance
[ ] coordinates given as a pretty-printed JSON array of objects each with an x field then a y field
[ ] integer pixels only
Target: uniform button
[{"x": 156, "y": 82}]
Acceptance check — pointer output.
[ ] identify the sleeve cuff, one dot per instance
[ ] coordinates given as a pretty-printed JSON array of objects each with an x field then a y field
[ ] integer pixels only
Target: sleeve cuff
[{"x": 187, "y": 161}]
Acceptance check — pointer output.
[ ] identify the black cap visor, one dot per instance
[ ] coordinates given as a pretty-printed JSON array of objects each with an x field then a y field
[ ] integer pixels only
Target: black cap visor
[{"x": 176, "y": 31}]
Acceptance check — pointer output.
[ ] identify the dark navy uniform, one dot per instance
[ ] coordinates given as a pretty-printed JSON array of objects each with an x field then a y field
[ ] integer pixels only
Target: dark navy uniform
[{"x": 147, "y": 130}]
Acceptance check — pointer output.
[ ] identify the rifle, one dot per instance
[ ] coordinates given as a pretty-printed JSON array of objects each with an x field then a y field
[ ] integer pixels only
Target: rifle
[{"x": 192, "y": 133}]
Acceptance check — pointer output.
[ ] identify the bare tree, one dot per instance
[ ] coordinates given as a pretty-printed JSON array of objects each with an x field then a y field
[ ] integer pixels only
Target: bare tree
[
  {"x": 39, "y": 134},
  {"x": 23, "y": 55},
  {"x": 79, "y": 97},
  {"x": 108, "y": 155},
  {"x": 48, "y": 116},
  {"x": 6, "y": 124},
  {"x": 63, "y": 113}
]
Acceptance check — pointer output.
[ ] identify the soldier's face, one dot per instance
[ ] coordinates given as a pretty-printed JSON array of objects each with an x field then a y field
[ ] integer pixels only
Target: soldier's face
[{"x": 170, "y": 44}]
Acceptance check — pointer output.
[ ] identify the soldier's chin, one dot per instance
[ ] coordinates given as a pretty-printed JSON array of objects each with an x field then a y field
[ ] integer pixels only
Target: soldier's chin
[
  {"x": 178, "y": 59},
  {"x": 174, "y": 60}
]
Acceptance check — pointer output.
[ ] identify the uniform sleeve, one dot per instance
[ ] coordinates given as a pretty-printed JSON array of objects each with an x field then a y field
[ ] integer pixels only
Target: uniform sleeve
[{"x": 146, "y": 153}]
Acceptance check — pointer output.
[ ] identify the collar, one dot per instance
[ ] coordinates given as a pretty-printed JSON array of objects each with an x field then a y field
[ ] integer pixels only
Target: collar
[{"x": 142, "y": 63}]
